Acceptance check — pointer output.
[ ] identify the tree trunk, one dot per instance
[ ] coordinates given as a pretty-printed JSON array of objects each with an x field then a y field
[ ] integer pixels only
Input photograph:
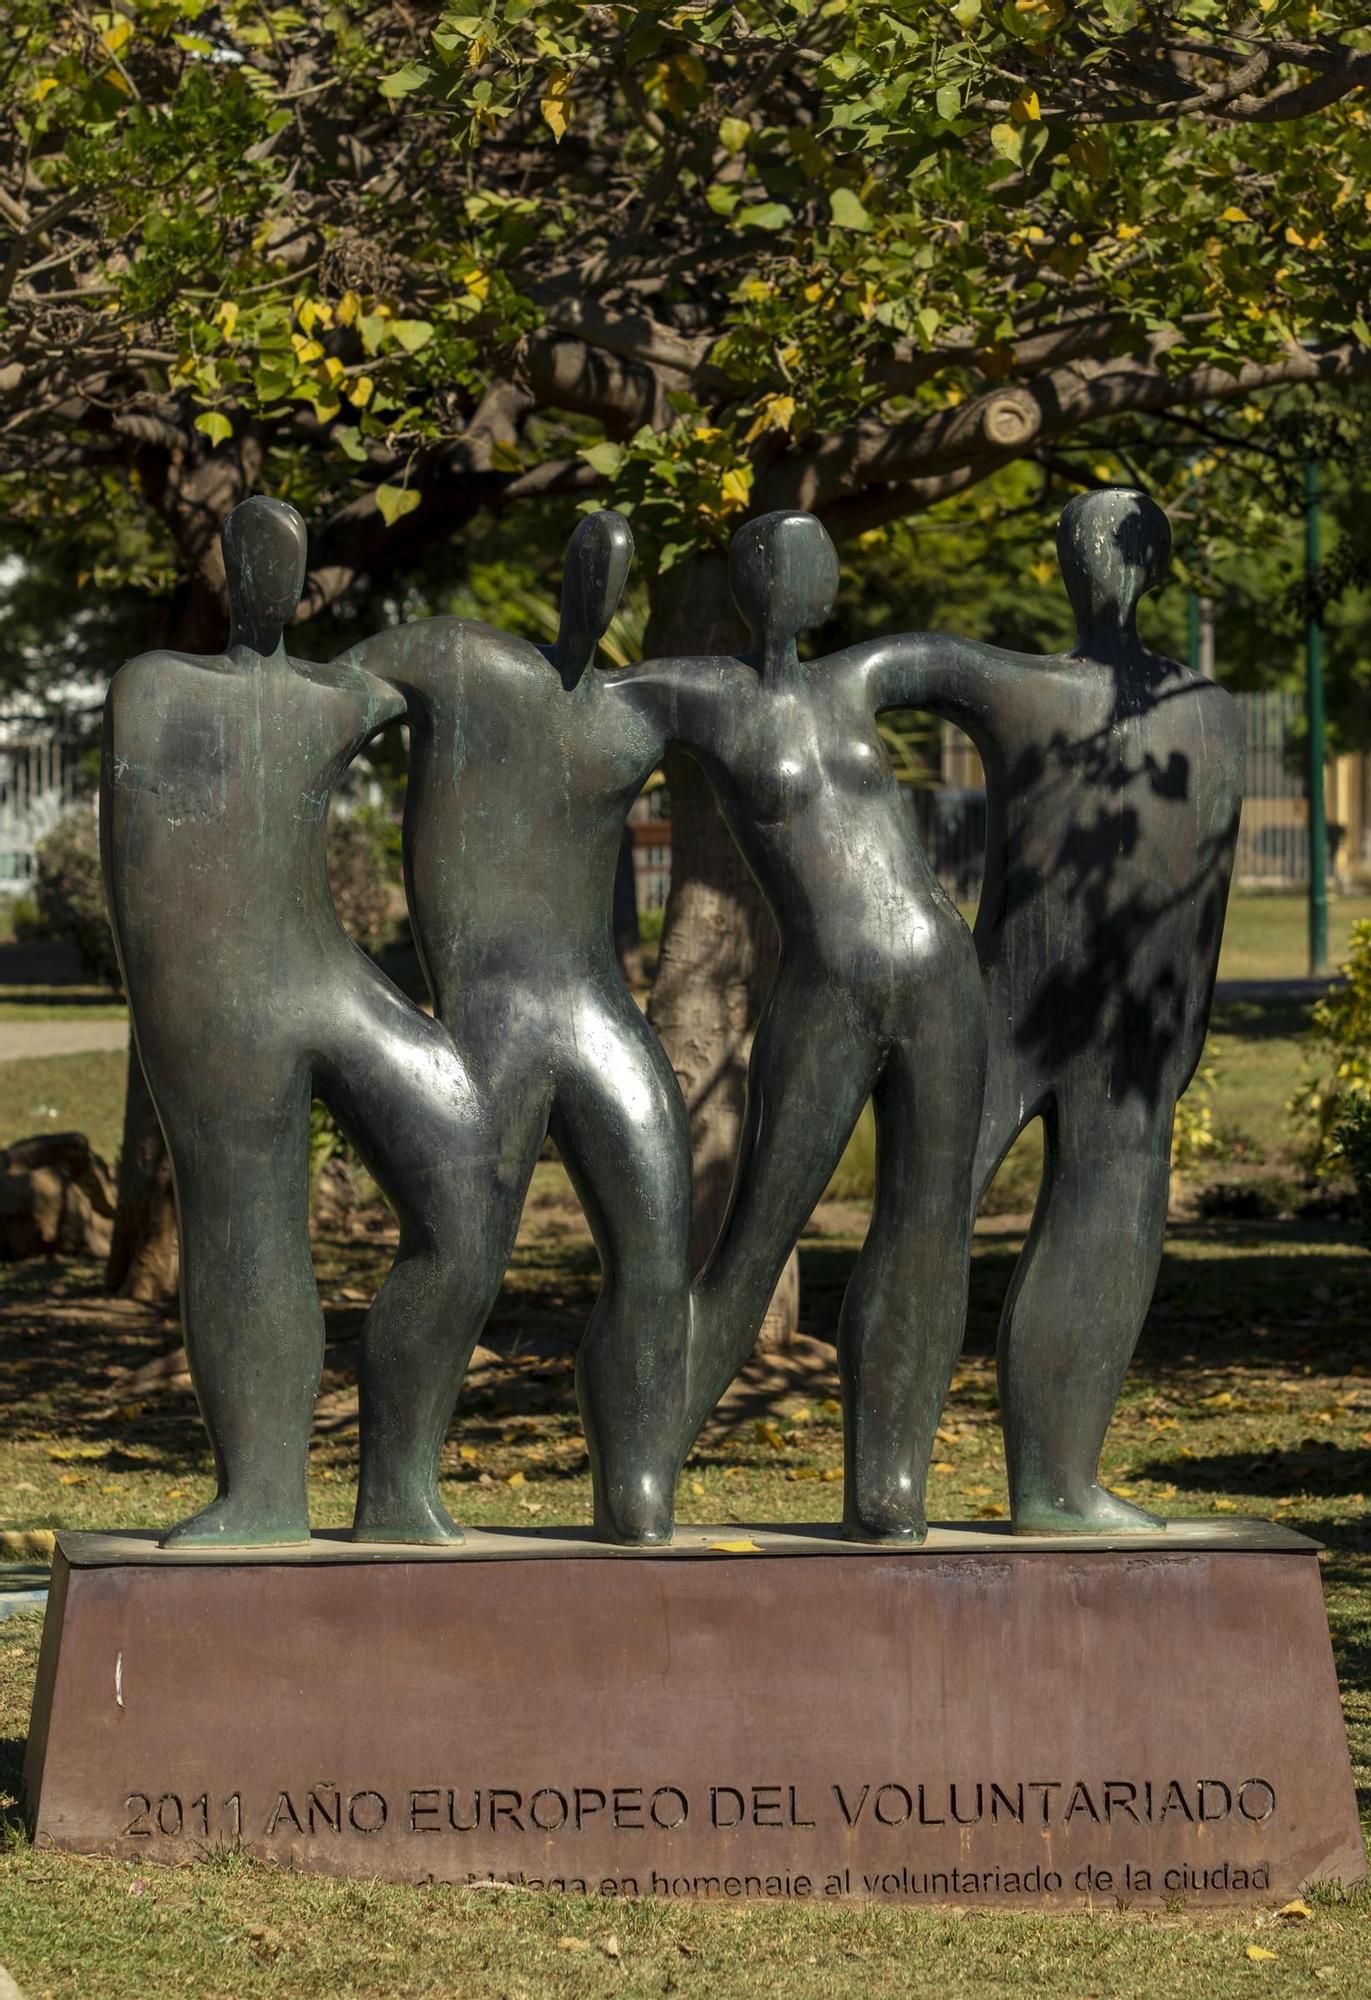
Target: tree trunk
[
  {"x": 144, "y": 1257},
  {"x": 194, "y": 492},
  {"x": 719, "y": 945}
]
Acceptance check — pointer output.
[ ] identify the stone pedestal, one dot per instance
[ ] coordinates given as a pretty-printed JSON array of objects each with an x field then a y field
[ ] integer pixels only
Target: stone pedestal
[{"x": 750, "y": 1714}]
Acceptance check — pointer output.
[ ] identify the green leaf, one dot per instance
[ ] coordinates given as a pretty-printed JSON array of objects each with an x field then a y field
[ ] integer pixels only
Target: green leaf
[
  {"x": 348, "y": 439},
  {"x": 847, "y": 210},
  {"x": 396, "y": 501},
  {"x": 412, "y": 334},
  {"x": 930, "y": 319},
  {"x": 764, "y": 215},
  {"x": 948, "y": 101},
  {"x": 967, "y": 11},
  {"x": 604, "y": 458},
  {"x": 723, "y": 200},
  {"x": 403, "y": 82},
  {"x": 734, "y": 134},
  {"x": 215, "y": 425},
  {"x": 1007, "y": 141}
]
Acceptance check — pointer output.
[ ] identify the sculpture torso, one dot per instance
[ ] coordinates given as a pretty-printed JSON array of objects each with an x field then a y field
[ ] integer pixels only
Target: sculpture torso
[
  {"x": 519, "y": 788},
  {"x": 808, "y": 791},
  {"x": 219, "y": 774}
]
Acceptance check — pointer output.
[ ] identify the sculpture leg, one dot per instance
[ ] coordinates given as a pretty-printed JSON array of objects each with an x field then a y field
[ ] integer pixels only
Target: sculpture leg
[
  {"x": 813, "y": 1063},
  {"x": 904, "y": 1314},
  {"x": 457, "y": 1186},
  {"x": 1075, "y": 1309},
  {"x": 620, "y": 1122},
  {"x": 250, "y": 1308}
]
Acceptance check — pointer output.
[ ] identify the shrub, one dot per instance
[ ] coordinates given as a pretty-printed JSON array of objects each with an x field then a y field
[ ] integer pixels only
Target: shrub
[
  {"x": 70, "y": 893},
  {"x": 1352, "y": 1145},
  {"x": 1339, "y": 1056}
]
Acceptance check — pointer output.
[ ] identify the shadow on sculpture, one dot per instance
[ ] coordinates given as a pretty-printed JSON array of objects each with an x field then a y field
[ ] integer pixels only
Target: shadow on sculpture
[{"x": 1115, "y": 783}]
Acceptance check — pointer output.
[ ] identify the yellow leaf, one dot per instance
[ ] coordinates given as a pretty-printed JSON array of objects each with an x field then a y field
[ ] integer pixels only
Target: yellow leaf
[
  {"x": 468, "y": 1454},
  {"x": 832, "y": 1472},
  {"x": 349, "y": 306},
  {"x": 942, "y": 1465},
  {"x": 1231, "y": 214},
  {"x": 767, "y": 1433},
  {"x": 394, "y": 501},
  {"x": 226, "y": 317},
  {"x": 1222, "y": 1400},
  {"x": 737, "y": 485},
  {"x": 804, "y": 1415},
  {"x": 1044, "y": 571},
  {"x": 1225, "y": 1506},
  {"x": 803, "y": 1472},
  {"x": 573, "y": 1944},
  {"x": 515, "y": 1479},
  {"x": 1025, "y": 110},
  {"x": 1292, "y": 235},
  {"x": 477, "y": 282},
  {"x": 740, "y": 1548},
  {"x": 553, "y": 104},
  {"x": 358, "y": 393},
  {"x": 333, "y": 368},
  {"x": 697, "y": 1489},
  {"x": 1298, "y": 1909},
  {"x": 73, "y": 1479},
  {"x": 1127, "y": 232},
  {"x": 814, "y": 293},
  {"x": 115, "y": 37},
  {"x": 42, "y": 88},
  {"x": 1259, "y": 1951}
]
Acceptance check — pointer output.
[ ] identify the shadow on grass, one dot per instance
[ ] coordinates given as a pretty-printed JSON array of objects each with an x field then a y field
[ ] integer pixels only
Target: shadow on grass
[{"x": 12, "y": 1826}]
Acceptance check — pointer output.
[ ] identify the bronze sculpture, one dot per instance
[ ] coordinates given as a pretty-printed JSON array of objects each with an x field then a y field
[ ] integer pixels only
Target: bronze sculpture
[
  {"x": 523, "y": 767},
  {"x": 246, "y": 997},
  {"x": 1115, "y": 782},
  {"x": 876, "y": 972},
  {"x": 1114, "y": 779}
]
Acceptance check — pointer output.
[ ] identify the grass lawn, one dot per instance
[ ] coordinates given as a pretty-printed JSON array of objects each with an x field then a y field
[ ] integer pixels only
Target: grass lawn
[
  {"x": 1252, "y": 1394},
  {"x": 1267, "y": 937}
]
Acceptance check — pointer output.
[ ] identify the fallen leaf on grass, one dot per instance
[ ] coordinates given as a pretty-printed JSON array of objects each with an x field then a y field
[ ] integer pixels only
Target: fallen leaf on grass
[
  {"x": 831, "y": 1472},
  {"x": 766, "y": 1432},
  {"x": 611, "y": 1947},
  {"x": 573, "y": 1944},
  {"x": 1259, "y": 1951},
  {"x": 515, "y": 1479},
  {"x": 803, "y": 1472},
  {"x": 697, "y": 1489},
  {"x": 1298, "y": 1909}
]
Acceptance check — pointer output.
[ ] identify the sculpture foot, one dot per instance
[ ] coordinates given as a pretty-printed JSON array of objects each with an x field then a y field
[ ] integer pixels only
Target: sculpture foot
[
  {"x": 643, "y": 1518},
  {"x": 425, "y": 1520},
  {"x": 898, "y": 1529},
  {"x": 230, "y": 1523},
  {"x": 1099, "y": 1513}
]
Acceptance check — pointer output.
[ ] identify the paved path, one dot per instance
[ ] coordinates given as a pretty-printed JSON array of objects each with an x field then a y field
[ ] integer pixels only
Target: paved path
[{"x": 19, "y": 1039}]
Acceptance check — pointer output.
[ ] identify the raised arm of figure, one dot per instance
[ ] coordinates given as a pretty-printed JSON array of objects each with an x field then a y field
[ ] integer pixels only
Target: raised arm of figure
[{"x": 962, "y": 680}]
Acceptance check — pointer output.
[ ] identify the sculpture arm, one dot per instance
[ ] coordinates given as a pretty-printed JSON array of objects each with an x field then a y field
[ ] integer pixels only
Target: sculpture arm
[
  {"x": 682, "y": 698},
  {"x": 961, "y": 680}
]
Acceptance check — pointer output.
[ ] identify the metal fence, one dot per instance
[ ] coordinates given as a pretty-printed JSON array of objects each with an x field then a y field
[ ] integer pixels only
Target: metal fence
[{"x": 40, "y": 779}]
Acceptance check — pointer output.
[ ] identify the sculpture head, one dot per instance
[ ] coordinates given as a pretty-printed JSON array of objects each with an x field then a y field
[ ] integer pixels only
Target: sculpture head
[
  {"x": 1113, "y": 546},
  {"x": 783, "y": 569},
  {"x": 264, "y": 561},
  {"x": 598, "y": 559}
]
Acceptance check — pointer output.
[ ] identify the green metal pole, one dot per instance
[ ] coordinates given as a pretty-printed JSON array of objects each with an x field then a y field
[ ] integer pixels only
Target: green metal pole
[
  {"x": 1192, "y": 629},
  {"x": 1318, "y": 822}
]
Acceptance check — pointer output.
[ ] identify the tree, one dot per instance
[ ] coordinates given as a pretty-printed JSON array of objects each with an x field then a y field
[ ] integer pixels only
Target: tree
[{"x": 403, "y": 263}]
